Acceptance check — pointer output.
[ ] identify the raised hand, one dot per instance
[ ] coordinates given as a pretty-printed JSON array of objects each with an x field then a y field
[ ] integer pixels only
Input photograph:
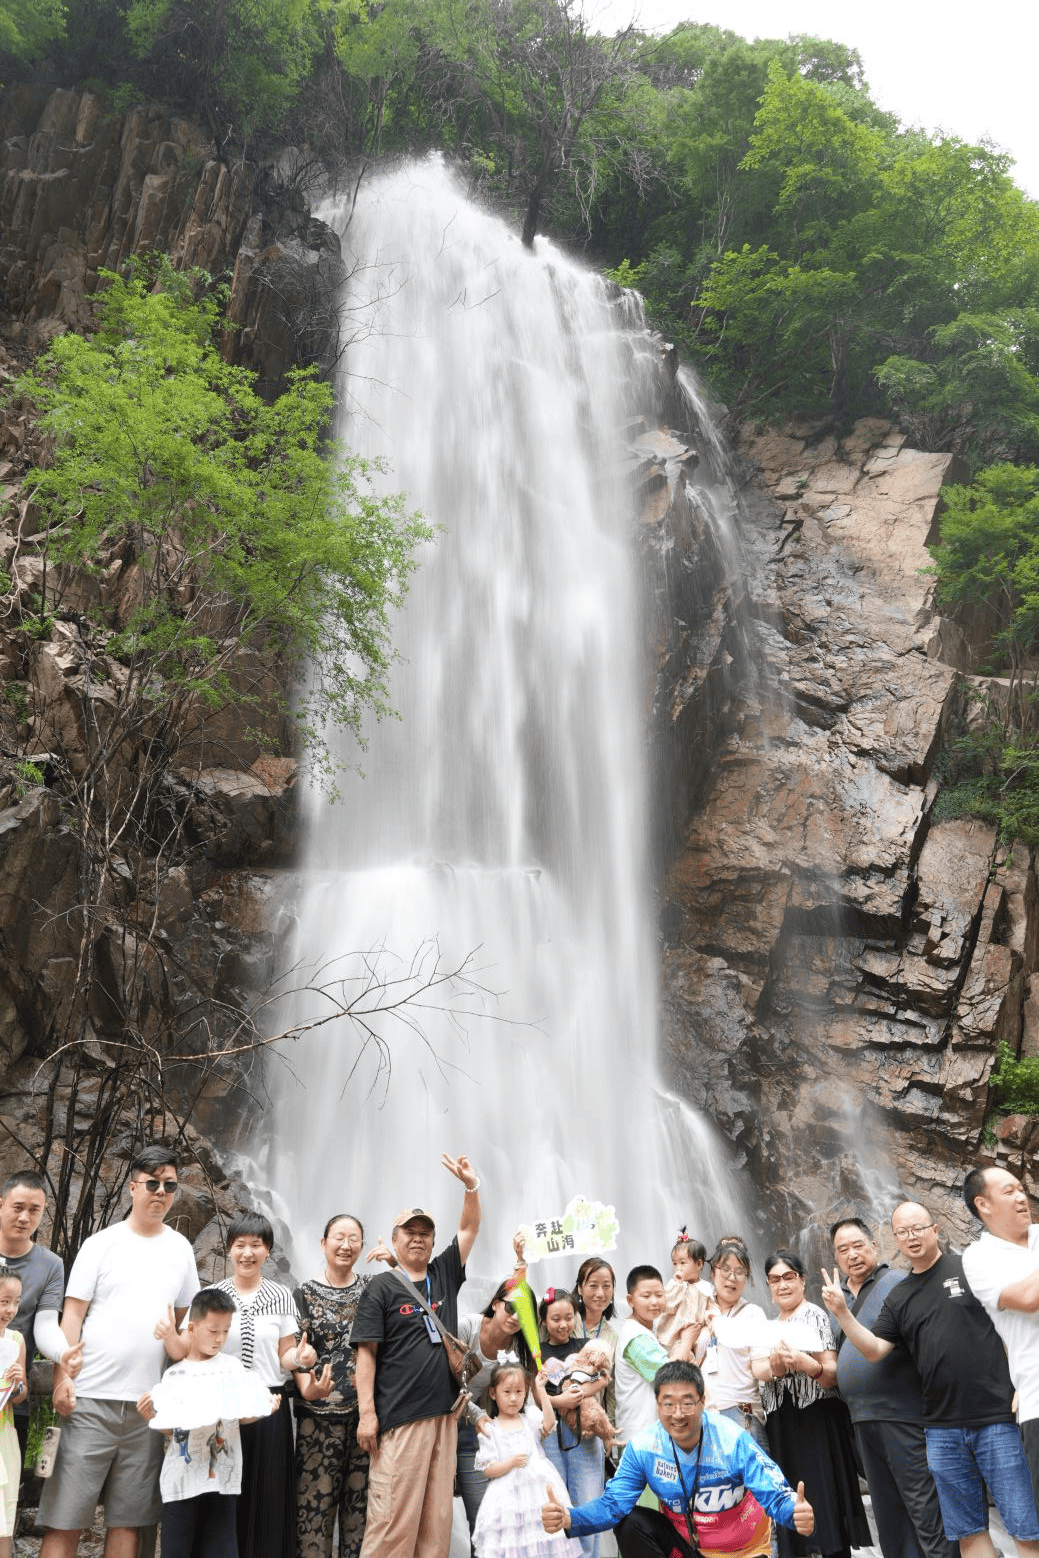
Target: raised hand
[
  {"x": 306, "y": 1355},
  {"x": 804, "y": 1515},
  {"x": 72, "y": 1360},
  {"x": 833, "y": 1293},
  {"x": 167, "y": 1326},
  {"x": 519, "y": 1244},
  {"x": 554, "y": 1515},
  {"x": 322, "y": 1385},
  {"x": 461, "y": 1168},
  {"x": 382, "y": 1252}
]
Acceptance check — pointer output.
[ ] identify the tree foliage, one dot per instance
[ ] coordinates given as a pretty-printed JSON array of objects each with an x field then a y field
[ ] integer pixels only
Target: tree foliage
[{"x": 246, "y": 526}]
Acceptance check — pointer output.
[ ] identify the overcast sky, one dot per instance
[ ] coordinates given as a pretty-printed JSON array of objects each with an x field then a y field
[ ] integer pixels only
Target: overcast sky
[{"x": 967, "y": 70}]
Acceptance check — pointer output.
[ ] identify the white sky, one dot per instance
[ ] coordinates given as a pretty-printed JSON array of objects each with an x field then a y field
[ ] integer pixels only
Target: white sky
[{"x": 968, "y": 70}]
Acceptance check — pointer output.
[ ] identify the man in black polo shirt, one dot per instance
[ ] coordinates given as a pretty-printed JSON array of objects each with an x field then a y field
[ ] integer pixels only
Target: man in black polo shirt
[
  {"x": 405, "y": 1388},
  {"x": 969, "y": 1429},
  {"x": 886, "y": 1408}
]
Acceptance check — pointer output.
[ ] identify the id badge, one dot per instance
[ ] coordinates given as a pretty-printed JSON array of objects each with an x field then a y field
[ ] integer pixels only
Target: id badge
[{"x": 710, "y": 1362}]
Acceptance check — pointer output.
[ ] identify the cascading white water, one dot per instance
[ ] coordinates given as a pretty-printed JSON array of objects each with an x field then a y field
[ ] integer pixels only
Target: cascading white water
[{"x": 506, "y": 811}]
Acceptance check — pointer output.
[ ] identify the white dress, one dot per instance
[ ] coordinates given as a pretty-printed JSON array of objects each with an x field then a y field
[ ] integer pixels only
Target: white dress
[{"x": 509, "y": 1521}]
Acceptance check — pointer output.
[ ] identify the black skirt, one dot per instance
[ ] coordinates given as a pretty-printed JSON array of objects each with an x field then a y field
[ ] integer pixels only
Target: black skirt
[
  {"x": 267, "y": 1506},
  {"x": 813, "y": 1445}
]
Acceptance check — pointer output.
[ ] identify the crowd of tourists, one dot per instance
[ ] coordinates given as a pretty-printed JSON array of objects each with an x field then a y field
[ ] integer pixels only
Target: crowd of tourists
[{"x": 252, "y": 1421}]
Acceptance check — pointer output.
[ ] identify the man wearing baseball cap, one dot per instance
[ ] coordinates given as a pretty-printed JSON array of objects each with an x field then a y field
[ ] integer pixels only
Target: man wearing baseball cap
[{"x": 405, "y": 1388}]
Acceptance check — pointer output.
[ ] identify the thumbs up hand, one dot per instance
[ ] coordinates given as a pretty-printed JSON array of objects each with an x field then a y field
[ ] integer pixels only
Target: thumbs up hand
[
  {"x": 804, "y": 1515},
  {"x": 167, "y": 1326},
  {"x": 72, "y": 1360},
  {"x": 306, "y": 1356},
  {"x": 554, "y": 1515}
]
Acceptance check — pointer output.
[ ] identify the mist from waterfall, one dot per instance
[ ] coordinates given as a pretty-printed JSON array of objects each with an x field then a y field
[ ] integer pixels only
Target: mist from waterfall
[{"x": 504, "y": 814}]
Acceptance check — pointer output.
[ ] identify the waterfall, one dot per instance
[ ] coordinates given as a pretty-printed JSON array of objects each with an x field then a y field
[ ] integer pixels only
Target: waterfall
[{"x": 505, "y": 813}]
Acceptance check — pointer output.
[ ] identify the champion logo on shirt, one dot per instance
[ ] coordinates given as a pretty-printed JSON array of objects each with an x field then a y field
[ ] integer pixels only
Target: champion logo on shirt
[{"x": 413, "y": 1309}]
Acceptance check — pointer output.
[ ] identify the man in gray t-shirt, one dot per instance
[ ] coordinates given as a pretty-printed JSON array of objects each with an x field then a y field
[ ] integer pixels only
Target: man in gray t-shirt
[
  {"x": 23, "y": 1198},
  {"x": 886, "y": 1409}
]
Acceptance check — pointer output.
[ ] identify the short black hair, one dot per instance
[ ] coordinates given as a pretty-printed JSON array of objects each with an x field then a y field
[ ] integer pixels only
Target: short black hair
[
  {"x": 211, "y": 1301},
  {"x": 639, "y": 1274},
  {"x": 28, "y": 1178},
  {"x": 851, "y": 1222},
  {"x": 974, "y": 1186},
  {"x": 786, "y": 1258},
  {"x": 7, "y": 1275},
  {"x": 149, "y": 1159},
  {"x": 678, "y": 1372},
  {"x": 250, "y": 1225}
]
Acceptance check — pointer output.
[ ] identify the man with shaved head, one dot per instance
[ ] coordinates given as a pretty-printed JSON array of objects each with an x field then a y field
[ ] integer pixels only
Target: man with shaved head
[
  {"x": 969, "y": 1430},
  {"x": 1003, "y": 1270}
]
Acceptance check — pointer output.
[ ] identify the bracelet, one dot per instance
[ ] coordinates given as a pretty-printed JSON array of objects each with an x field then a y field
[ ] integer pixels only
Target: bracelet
[{"x": 471, "y": 1190}]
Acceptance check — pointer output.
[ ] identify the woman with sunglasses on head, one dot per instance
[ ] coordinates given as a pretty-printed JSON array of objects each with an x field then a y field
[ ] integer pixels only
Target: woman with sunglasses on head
[
  {"x": 809, "y": 1430},
  {"x": 492, "y": 1332}
]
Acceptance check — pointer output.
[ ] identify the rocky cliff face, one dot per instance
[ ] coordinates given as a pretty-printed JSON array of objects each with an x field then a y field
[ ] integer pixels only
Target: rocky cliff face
[
  {"x": 838, "y": 966},
  {"x": 115, "y": 955}
]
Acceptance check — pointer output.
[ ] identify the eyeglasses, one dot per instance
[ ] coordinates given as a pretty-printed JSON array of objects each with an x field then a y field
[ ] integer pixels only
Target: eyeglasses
[
  {"x": 913, "y": 1233},
  {"x": 784, "y": 1276},
  {"x": 168, "y": 1187}
]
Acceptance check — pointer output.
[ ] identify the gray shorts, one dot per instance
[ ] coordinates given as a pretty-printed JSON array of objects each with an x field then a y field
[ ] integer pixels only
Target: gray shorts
[{"x": 107, "y": 1455}]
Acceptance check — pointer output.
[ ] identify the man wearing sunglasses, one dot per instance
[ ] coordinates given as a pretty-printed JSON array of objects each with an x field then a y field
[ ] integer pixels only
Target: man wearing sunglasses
[{"x": 123, "y": 1282}]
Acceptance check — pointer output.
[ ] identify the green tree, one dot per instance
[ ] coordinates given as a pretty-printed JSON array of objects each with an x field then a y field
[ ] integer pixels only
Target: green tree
[
  {"x": 987, "y": 566},
  {"x": 28, "y": 26},
  {"x": 245, "y": 526}
]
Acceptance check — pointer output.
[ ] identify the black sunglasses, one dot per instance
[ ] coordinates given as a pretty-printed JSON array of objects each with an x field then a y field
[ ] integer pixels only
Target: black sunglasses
[{"x": 153, "y": 1186}]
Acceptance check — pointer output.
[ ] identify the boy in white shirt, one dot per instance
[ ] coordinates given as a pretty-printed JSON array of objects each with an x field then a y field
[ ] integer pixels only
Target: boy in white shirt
[{"x": 198, "y": 1404}]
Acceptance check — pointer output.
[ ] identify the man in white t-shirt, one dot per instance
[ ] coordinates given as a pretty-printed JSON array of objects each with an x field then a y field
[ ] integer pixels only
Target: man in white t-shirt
[
  {"x": 1002, "y": 1268},
  {"x": 123, "y": 1282}
]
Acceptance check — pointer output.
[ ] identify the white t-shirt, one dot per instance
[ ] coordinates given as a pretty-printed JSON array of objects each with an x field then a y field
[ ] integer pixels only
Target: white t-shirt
[
  {"x": 636, "y": 1403},
  {"x": 129, "y": 1281},
  {"x": 201, "y": 1400},
  {"x": 991, "y": 1265},
  {"x": 261, "y": 1321},
  {"x": 726, "y": 1370}
]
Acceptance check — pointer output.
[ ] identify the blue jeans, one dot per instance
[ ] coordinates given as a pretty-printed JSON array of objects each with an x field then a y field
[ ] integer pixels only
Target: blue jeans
[
  {"x": 470, "y": 1483},
  {"x": 748, "y": 1421},
  {"x": 959, "y": 1458},
  {"x": 581, "y": 1468}
]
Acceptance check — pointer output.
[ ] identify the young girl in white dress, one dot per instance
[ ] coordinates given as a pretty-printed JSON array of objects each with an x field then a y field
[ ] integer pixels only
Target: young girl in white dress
[
  {"x": 518, "y": 1471},
  {"x": 12, "y": 1388}
]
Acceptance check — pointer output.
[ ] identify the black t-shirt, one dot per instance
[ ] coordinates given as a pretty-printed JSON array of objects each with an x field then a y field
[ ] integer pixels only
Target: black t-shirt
[
  {"x": 413, "y": 1379},
  {"x": 952, "y": 1341}
]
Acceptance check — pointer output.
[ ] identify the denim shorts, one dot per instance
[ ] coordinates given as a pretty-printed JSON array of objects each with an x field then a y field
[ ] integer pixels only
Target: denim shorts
[{"x": 959, "y": 1458}]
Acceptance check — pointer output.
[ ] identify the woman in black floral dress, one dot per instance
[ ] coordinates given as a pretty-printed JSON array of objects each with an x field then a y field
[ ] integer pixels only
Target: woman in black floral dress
[{"x": 331, "y": 1472}]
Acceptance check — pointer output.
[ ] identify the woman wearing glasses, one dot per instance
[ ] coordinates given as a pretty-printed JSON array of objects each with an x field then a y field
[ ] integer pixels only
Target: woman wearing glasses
[{"x": 808, "y": 1427}]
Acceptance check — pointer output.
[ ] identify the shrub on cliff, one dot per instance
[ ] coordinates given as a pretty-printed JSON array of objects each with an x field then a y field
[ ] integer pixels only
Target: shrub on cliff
[{"x": 235, "y": 523}]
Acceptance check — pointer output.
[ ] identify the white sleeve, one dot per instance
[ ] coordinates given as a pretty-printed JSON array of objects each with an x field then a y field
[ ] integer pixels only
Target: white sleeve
[
  {"x": 48, "y": 1335},
  {"x": 986, "y": 1274}
]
